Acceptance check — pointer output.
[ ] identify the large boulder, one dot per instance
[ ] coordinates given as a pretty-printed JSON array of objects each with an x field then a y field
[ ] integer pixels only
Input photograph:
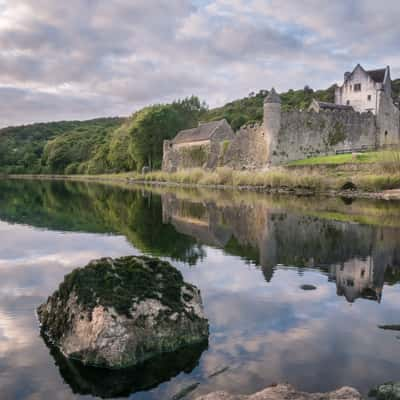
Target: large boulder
[
  {"x": 287, "y": 392},
  {"x": 118, "y": 313}
]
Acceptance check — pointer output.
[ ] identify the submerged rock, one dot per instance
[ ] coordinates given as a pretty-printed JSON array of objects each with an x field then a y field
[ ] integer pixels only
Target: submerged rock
[
  {"x": 111, "y": 383},
  {"x": 287, "y": 392},
  {"x": 308, "y": 287},
  {"x": 118, "y": 313}
]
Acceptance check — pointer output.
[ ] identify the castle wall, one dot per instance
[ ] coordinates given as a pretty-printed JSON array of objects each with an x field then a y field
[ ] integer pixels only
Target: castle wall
[
  {"x": 248, "y": 150},
  {"x": 388, "y": 122},
  {"x": 307, "y": 134}
]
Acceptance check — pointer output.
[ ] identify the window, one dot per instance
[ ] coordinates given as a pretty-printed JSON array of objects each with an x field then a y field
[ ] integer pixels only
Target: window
[
  {"x": 348, "y": 102},
  {"x": 357, "y": 87},
  {"x": 369, "y": 97}
]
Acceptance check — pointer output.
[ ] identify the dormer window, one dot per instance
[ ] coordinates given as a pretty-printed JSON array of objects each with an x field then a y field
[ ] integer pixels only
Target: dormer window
[
  {"x": 357, "y": 87},
  {"x": 369, "y": 97},
  {"x": 348, "y": 102}
]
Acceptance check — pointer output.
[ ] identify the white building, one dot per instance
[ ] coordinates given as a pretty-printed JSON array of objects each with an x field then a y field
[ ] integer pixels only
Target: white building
[
  {"x": 363, "y": 89},
  {"x": 357, "y": 278}
]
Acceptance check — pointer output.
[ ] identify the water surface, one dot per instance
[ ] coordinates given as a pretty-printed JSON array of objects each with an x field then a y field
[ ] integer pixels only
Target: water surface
[{"x": 249, "y": 254}]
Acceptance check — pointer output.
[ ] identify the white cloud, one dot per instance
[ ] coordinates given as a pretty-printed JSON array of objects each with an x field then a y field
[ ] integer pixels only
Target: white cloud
[{"x": 115, "y": 57}]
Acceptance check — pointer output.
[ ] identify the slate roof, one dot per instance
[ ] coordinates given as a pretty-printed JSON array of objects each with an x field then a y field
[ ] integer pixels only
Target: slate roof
[
  {"x": 202, "y": 132},
  {"x": 378, "y": 75},
  {"x": 272, "y": 97},
  {"x": 332, "y": 106}
]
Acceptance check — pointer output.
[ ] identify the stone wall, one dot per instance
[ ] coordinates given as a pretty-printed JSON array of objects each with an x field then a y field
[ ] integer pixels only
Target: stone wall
[
  {"x": 388, "y": 122},
  {"x": 307, "y": 134},
  {"x": 206, "y": 154},
  {"x": 194, "y": 156},
  {"x": 289, "y": 136},
  {"x": 248, "y": 150}
]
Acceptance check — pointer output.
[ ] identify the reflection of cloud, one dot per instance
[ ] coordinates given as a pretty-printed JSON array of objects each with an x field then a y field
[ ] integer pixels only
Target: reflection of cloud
[
  {"x": 264, "y": 331},
  {"x": 32, "y": 264}
]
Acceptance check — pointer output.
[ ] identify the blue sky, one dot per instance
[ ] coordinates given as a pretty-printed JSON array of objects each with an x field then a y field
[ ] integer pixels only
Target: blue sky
[{"x": 87, "y": 58}]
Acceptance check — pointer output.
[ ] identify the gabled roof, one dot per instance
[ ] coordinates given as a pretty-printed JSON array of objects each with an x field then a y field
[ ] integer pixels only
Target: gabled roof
[
  {"x": 322, "y": 105},
  {"x": 202, "y": 132},
  {"x": 377, "y": 75},
  {"x": 332, "y": 106},
  {"x": 272, "y": 97}
]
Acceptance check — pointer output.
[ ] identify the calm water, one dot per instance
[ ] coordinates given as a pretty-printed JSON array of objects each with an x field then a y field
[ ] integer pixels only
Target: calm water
[{"x": 249, "y": 254}]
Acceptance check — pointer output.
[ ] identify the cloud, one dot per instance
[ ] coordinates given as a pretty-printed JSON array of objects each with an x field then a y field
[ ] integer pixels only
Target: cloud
[{"x": 89, "y": 58}]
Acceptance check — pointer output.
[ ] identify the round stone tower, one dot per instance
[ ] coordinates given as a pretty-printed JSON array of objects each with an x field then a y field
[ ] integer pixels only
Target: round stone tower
[{"x": 272, "y": 122}]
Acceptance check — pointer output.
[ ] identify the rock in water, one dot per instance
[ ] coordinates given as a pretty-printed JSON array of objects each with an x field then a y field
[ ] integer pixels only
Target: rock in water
[
  {"x": 287, "y": 392},
  {"x": 118, "y": 313}
]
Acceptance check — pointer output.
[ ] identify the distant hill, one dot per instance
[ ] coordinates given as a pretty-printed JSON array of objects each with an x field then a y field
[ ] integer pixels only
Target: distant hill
[
  {"x": 22, "y": 147},
  {"x": 119, "y": 144},
  {"x": 250, "y": 109}
]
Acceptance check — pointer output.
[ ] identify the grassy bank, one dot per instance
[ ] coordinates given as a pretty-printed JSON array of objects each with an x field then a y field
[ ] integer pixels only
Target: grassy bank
[
  {"x": 372, "y": 173},
  {"x": 282, "y": 178}
]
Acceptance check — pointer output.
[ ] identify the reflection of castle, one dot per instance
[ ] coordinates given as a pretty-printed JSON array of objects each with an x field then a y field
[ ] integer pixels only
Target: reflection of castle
[
  {"x": 196, "y": 220},
  {"x": 358, "y": 278},
  {"x": 354, "y": 256}
]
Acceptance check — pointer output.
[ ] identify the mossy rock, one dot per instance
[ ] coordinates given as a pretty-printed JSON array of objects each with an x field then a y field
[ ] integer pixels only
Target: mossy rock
[{"x": 119, "y": 312}]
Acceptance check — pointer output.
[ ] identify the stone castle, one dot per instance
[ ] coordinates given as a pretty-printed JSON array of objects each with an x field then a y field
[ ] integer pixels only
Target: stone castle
[{"x": 363, "y": 117}]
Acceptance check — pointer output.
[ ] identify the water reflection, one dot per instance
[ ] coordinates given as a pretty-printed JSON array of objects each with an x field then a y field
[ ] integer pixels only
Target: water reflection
[
  {"x": 106, "y": 383},
  {"x": 355, "y": 256},
  {"x": 249, "y": 254}
]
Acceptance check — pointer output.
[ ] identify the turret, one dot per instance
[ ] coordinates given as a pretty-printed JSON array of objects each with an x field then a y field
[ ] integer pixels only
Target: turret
[{"x": 272, "y": 121}]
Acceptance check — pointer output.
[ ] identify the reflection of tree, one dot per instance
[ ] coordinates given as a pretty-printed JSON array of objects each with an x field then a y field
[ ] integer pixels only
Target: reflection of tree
[
  {"x": 71, "y": 206},
  {"x": 107, "y": 383}
]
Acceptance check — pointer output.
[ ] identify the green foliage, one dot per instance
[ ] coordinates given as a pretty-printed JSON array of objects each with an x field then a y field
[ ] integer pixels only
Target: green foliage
[
  {"x": 250, "y": 109},
  {"x": 301, "y": 99},
  {"x": 121, "y": 282},
  {"x": 51, "y": 147},
  {"x": 152, "y": 125},
  {"x": 239, "y": 112}
]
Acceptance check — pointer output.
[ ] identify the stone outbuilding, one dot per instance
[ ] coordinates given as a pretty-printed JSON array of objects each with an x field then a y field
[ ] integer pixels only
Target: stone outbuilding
[
  {"x": 197, "y": 147},
  {"x": 318, "y": 106}
]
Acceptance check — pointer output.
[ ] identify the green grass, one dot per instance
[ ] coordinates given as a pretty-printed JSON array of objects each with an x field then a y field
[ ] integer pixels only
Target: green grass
[{"x": 363, "y": 158}]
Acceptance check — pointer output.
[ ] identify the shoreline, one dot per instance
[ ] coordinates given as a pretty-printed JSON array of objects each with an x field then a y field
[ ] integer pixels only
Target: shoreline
[{"x": 389, "y": 195}]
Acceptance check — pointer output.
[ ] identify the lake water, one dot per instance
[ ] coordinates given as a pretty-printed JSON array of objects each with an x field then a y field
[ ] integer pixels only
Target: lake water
[{"x": 250, "y": 255}]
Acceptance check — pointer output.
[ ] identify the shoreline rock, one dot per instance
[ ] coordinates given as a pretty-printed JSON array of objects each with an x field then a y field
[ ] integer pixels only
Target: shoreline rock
[
  {"x": 116, "y": 313},
  {"x": 287, "y": 392}
]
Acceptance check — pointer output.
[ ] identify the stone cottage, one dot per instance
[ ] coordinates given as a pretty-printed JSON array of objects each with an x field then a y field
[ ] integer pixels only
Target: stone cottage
[
  {"x": 363, "y": 117},
  {"x": 197, "y": 147}
]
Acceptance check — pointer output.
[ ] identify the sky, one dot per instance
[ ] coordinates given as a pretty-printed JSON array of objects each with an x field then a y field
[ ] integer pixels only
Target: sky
[{"x": 80, "y": 59}]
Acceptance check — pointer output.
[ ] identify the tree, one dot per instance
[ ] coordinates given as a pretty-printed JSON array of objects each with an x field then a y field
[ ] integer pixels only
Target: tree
[{"x": 152, "y": 125}]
